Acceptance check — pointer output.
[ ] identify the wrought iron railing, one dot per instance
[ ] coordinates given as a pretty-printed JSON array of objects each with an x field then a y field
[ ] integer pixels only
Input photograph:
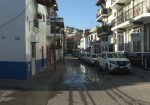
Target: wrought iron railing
[
  {"x": 102, "y": 11},
  {"x": 131, "y": 13},
  {"x": 113, "y": 1}
]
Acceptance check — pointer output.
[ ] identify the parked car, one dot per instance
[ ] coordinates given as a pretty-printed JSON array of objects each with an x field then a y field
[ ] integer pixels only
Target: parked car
[
  {"x": 80, "y": 56},
  {"x": 75, "y": 54},
  {"x": 83, "y": 57},
  {"x": 93, "y": 60},
  {"x": 114, "y": 61},
  {"x": 86, "y": 57}
]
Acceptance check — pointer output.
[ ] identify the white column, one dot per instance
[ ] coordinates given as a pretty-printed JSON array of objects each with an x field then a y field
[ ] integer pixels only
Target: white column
[{"x": 116, "y": 46}]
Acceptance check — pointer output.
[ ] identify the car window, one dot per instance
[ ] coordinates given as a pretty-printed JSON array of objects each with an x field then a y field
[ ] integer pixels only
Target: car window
[
  {"x": 88, "y": 55},
  {"x": 121, "y": 55},
  {"x": 99, "y": 55},
  {"x": 115, "y": 55},
  {"x": 93, "y": 56},
  {"x": 110, "y": 55}
]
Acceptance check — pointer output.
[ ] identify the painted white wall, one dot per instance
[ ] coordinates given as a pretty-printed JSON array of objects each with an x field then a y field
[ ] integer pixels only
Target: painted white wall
[
  {"x": 86, "y": 42},
  {"x": 41, "y": 33},
  {"x": 82, "y": 43},
  {"x": 12, "y": 43}
]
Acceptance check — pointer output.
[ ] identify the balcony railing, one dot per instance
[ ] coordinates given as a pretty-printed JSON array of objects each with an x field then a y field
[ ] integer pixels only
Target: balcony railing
[
  {"x": 101, "y": 12},
  {"x": 45, "y": 2},
  {"x": 48, "y": 3},
  {"x": 58, "y": 21},
  {"x": 137, "y": 10},
  {"x": 99, "y": 2},
  {"x": 117, "y": 3},
  {"x": 103, "y": 30},
  {"x": 128, "y": 14},
  {"x": 113, "y": 1}
]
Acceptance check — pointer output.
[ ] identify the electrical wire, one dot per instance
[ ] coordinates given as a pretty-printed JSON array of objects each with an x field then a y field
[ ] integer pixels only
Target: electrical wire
[{"x": 16, "y": 17}]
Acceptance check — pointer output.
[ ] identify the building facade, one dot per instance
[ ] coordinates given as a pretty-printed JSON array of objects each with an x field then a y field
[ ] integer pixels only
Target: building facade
[
  {"x": 23, "y": 38},
  {"x": 104, "y": 29},
  {"x": 131, "y": 25},
  {"x": 55, "y": 28},
  {"x": 73, "y": 36},
  {"x": 131, "y": 19},
  {"x": 94, "y": 42}
]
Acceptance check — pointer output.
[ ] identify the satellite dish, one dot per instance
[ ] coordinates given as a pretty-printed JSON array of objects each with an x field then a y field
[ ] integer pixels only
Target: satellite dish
[{"x": 148, "y": 5}]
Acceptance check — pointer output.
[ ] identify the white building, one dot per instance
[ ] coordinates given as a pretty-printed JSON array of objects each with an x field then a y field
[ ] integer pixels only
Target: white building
[
  {"x": 132, "y": 25},
  {"x": 22, "y": 38},
  {"x": 94, "y": 42},
  {"x": 104, "y": 30},
  {"x": 132, "y": 29},
  {"x": 58, "y": 22}
]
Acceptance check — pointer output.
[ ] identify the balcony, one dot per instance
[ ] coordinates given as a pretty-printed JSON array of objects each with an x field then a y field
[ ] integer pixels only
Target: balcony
[
  {"x": 58, "y": 21},
  {"x": 103, "y": 30},
  {"x": 99, "y": 2},
  {"x": 139, "y": 13},
  {"x": 55, "y": 25},
  {"x": 102, "y": 13},
  {"x": 48, "y": 3},
  {"x": 117, "y": 3}
]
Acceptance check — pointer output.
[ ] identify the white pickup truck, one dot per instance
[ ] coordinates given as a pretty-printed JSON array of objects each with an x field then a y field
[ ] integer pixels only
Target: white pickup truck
[
  {"x": 93, "y": 60},
  {"x": 114, "y": 62}
]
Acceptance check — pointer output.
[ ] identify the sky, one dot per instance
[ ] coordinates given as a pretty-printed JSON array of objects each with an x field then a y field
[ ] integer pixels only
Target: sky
[{"x": 79, "y": 14}]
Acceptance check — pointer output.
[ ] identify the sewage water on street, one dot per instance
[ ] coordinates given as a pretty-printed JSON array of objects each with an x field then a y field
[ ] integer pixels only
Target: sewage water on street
[{"x": 77, "y": 74}]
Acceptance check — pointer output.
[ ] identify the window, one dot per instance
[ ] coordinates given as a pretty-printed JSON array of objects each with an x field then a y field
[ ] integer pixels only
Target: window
[
  {"x": 112, "y": 55},
  {"x": 136, "y": 46},
  {"x": 104, "y": 56},
  {"x": 115, "y": 55}
]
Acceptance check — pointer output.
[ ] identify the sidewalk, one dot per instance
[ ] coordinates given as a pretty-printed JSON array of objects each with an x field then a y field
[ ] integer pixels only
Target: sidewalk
[{"x": 42, "y": 80}]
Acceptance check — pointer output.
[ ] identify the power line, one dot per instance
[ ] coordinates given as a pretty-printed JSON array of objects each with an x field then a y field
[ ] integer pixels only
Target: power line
[{"x": 14, "y": 18}]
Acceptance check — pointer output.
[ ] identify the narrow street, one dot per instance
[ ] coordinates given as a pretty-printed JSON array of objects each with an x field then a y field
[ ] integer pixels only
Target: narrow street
[
  {"x": 67, "y": 52},
  {"x": 82, "y": 84}
]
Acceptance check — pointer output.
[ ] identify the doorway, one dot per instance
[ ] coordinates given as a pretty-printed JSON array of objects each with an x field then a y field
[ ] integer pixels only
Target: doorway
[{"x": 33, "y": 58}]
